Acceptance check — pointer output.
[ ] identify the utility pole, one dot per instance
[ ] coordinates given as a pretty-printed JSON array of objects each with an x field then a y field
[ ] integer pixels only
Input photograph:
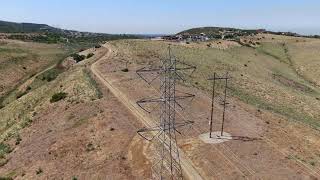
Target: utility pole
[
  {"x": 212, "y": 104},
  {"x": 223, "y": 101}
]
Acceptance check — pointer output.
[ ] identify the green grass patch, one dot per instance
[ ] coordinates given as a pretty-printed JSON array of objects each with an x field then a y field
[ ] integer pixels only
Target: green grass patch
[
  {"x": 11, "y": 50},
  {"x": 5, "y": 178},
  {"x": 93, "y": 83},
  {"x": 276, "y": 51}
]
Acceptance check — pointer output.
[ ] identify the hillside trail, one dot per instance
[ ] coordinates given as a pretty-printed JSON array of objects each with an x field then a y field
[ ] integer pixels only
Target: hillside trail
[{"x": 188, "y": 168}]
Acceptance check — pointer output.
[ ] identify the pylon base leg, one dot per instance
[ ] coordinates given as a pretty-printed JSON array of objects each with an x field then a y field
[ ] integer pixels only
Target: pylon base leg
[{"x": 216, "y": 137}]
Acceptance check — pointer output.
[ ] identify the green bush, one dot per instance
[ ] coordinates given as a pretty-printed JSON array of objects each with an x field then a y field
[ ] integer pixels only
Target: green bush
[
  {"x": 97, "y": 46},
  {"x": 39, "y": 171},
  {"x": 4, "y": 149},
  {"x": 58, "y": 96},
  {"x": 125, "y": 70},
  {"x": 78, "y": 57},
  {"x": 50, "y": 75},
  {"x": 90, "y": 55}
]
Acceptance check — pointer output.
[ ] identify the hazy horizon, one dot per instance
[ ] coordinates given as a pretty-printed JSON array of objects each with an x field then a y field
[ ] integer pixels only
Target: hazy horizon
[{"x": 165, "y": 17}]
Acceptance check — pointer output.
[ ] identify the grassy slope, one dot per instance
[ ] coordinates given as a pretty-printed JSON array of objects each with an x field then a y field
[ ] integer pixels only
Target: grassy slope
[
  {"x": 19, "y": 113},
  {"x": 291, "y": 93},
  {"x": 20, "y": 60}
]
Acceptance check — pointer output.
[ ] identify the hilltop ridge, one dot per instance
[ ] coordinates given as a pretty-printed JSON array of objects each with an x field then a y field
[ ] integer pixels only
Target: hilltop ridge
[{"x": 227, "y": 32}]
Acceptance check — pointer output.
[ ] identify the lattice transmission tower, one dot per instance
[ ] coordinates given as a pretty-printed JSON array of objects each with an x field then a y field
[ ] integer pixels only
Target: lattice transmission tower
[{"x": 167, "y": 165}]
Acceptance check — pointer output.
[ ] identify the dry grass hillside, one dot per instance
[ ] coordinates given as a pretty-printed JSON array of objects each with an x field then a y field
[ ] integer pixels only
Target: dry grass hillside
[
  {"x": 65, "y": 125},
  {"x": 63, "y": 122},
  {"x": 20, "y": 61},
  {"x": 273, "y": 113},
  {"x": 280, "y": 75}
]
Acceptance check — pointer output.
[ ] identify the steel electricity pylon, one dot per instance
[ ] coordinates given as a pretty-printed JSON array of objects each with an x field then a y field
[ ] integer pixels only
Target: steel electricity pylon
[{"x": 167, "y": 164}]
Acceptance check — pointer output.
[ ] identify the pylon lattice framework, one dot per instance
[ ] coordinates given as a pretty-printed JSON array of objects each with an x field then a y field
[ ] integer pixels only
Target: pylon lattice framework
[{"x": 168, "y": 165}]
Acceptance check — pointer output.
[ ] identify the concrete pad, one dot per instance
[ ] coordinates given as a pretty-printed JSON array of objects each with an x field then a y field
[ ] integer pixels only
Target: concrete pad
[{"x": 216, "y": 137}]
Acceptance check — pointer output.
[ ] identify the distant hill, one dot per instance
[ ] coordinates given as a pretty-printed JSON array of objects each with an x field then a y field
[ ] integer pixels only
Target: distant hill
[
  {"x": 48, "y": 34},
  {"x": 12, "y": 27},
  {"x": 217, "y": 32}
]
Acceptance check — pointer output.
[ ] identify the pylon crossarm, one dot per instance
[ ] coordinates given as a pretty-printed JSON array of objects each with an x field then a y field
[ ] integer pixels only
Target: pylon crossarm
[
  {"x": 188, "y": 66},
  {"x": 168, "y": 126},
  {"x": 219, "y": 78},
  {"x": 146, "y": 130},
  {"x": 144, "y": 101},
  {"x": 144, "y": 70},
  {"x": 159, "y": 100}
]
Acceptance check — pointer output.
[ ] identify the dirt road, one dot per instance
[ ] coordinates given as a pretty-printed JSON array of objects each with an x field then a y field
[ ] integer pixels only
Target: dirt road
[{"x": 188, "y": 169}]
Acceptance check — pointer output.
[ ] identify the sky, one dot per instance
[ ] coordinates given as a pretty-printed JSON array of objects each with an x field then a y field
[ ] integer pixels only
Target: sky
[{"x": 165, "y": 16}]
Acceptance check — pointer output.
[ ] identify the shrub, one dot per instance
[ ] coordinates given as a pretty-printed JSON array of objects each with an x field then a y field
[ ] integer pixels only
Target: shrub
[
  {"x": 50, "y": 75},
  {"x": 58, "y": 96},
  {"x": 125, "y": 70},
  {"x": 90, "y": 55},
  {"x": 4, "y": 149},
  {"x": 39, "y": 171},
  {"x": 90, "y": 147},
  {"x": 78, "y": 57},
  {"x": 97, "y": 46},
  {"x": 28, "y": 88},
  {"x": 18, "y": 140}
]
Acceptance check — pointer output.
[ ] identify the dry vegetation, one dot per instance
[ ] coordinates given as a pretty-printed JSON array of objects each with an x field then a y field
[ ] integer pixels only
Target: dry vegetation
[
  {"x": 274, "y": 105},
  {"x": 21, "y": 60},
  {"x": 280, "y": 75},
  {"x": 61, "y": 127}
]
